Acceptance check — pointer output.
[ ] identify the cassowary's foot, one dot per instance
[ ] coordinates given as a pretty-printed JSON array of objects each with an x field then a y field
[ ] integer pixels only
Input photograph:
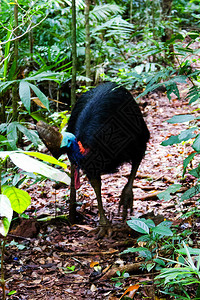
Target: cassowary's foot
[
  {"x": 104, "y": 229},
  {"x": 126, "y": 200}
]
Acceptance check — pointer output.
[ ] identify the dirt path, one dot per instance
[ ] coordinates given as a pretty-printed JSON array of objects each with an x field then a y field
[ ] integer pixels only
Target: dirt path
[{"x": 58, "y": 262}]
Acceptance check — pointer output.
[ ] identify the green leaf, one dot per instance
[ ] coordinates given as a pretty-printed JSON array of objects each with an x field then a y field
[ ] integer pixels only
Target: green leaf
[
  {"x": 30, "y": 134},
  {"x": 166, "y": 195},
  {"x": 162, "y": 230},
  {"x": 173, "y": 139},
  {"x": 192, "y": 251},
  {"x": 12, "y": 135},
  {"x": 150, "y": 223},
  {"x": 5, "y": 85},
  {"x": 6, "y": 214},
  {"x": 138, "y": 226},
  {"x": 25, "y": 94},
  {"x": 187, "y": 161},
  {"x": 29, "y": 164},
  {"x": 181, "y": 119},
  {"x": 191, "y": 192},
  {"x": 196, "y": 172},
  {"x": 150, "y": 266},
  {"x": 19, "y": 199},
  {"x": 47, "y": 158},
  {"x": 40, "y": 95},
  {"x": 5, "y": 154},
  {"x": 159, "y": 261},
  {"x": 12, "y": 293},
  {"x": 187, "y": 134},
  {"x": 37, "y": 116},
  {"x": 196, "y": 144},
  {"x": 133, "y": 250},
  {"x": 172, "y": 88}
]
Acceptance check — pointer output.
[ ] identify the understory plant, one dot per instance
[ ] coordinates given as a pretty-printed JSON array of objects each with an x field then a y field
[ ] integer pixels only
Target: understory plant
[
  {"x": 16, "y": 199},
  {"x": 178, "y": 268},
  {"x": 152, "y": 240},
  {"x": 176, "y": 280}
]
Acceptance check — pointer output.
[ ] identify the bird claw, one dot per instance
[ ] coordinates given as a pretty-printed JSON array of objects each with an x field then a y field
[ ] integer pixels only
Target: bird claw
[
  {"x": 126, "y": 201},
  {"x": 102, "y": 230}
]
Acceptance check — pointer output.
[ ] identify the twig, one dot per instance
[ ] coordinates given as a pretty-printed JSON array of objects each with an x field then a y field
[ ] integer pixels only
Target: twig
[
  {"x": 88, "y": 253},
  {"x": 19, "y": 237}
]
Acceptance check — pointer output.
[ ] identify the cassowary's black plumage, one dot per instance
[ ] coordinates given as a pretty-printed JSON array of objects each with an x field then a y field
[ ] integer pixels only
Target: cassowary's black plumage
[
  {"x": 108, "y": 122},
  {"x": 108, "y": 130}
]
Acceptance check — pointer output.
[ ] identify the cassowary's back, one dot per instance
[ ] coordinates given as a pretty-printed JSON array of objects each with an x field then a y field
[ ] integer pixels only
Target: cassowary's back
[{"x": 108, "y": 121}]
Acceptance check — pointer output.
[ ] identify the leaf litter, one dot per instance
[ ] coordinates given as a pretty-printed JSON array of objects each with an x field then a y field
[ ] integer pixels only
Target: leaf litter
[{"x": 51, "y": 260}]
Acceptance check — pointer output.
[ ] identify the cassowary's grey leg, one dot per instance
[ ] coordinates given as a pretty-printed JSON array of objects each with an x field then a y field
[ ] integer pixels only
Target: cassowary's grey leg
[
  {"x": 126, "y": 199},
  {"x": 103, "y": 222}
]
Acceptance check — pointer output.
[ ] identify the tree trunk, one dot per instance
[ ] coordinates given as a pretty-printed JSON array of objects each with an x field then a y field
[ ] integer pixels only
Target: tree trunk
[
  {"x": 2, "y": 96},
  {"x": 166, "y": 12},
  {"x": 87, "y": 40},
  {"x": 72, "y": 207},
  {"x": 31, "y": 48},
  {"x": 74, "y": 55},
  {"x": 15, "y": 86},
  {"x": 131, "y": 11}
]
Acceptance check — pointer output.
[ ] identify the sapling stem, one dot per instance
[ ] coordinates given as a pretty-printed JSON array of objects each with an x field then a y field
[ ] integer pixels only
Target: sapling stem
[{"x": 2, "y": 269}]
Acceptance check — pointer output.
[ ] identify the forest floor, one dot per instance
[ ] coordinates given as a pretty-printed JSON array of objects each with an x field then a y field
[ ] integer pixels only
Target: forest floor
[{"x": 50, "y": 260}]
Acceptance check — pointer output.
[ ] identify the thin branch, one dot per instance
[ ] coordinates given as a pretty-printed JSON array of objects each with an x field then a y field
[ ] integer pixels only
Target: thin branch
[{"x": 28, "y": 29}]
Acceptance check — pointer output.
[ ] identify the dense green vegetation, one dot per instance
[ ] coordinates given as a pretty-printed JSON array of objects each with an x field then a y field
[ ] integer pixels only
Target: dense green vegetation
[{"x": 141, "y": 44}]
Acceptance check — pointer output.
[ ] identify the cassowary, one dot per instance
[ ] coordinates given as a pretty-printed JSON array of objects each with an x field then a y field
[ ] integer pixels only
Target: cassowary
[{"x": 105, "y": 130}]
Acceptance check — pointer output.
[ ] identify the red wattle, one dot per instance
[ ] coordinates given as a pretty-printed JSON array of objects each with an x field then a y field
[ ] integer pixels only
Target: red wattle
[{"x": 76, "y": 179}]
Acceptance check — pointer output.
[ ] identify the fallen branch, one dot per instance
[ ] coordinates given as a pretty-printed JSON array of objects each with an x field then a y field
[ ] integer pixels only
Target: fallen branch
[
  {"x": 130, "y": 268},
  {"x": 148, "y": 187},
  {"x": 88, "y": 253},
  {"x": 151, "y": 196}
]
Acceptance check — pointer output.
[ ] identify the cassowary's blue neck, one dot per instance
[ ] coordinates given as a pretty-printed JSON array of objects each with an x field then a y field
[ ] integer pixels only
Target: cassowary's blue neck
[
  {"x": 70, "y": 146},
  {"x": 74, "y": 153}
]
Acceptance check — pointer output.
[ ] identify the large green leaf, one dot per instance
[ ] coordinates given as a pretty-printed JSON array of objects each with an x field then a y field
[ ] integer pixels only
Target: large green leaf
[
  {"x": 19, "y": 199},
  {"x": 29, "y": 164},
  {"x": 162, "y": 230},
  {"x": 4, "y": 154},
  {"x": 47, "y": 158},
  {"x": 42, "y": 76},
  {"x": 12, "y": 135},
  {"x": 40, "y": 95},
  {"x": 25, "y": 94},
  {"x": 181, "y": 119},
  {"x": 6, "y": 214},
  {"x": 138, "y": 226}
]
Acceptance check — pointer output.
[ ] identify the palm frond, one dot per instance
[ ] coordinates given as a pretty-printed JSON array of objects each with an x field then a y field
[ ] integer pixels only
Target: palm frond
[
  {"x": 103, "y": 12},
  {"x": 115, "y": 26}
]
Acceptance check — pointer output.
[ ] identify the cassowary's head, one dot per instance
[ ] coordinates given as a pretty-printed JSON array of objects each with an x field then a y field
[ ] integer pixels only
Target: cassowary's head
[
  {"x": 70, "y": 146},
  {"x": 68, "y": 140}
]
